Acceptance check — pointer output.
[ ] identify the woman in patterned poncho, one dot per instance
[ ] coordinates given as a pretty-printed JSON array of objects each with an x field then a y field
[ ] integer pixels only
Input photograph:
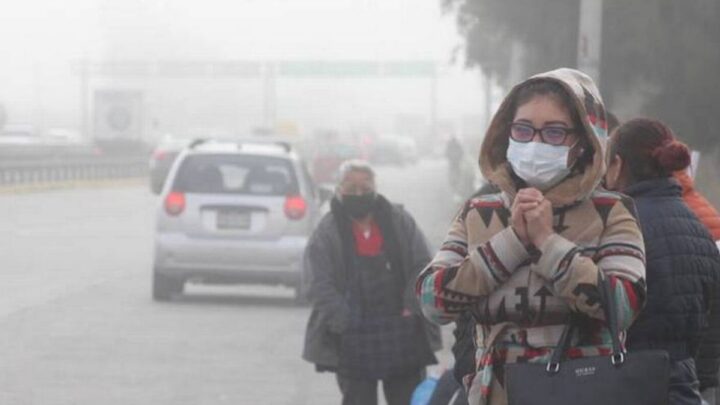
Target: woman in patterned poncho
[{"x": 523, "y": 259}]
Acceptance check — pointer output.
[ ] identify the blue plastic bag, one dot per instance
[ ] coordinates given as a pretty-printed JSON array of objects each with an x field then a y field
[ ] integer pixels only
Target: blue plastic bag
[{"x": 423, "y": 392}]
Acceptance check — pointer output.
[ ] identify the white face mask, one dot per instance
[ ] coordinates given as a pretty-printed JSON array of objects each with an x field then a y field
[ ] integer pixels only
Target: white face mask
[{"x": 539, "y": 164}]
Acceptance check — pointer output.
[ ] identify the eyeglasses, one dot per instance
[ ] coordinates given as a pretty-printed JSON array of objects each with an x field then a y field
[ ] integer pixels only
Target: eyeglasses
[{"x": 551, "y": 135}]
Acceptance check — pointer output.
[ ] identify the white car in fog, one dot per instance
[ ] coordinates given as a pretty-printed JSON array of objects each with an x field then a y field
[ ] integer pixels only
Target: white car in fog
[
  {"x": 394, "y": 150},
  {"x": 234, "y": 212},
  {"x": 409, "y": 149},
  {"x": 20, "y": 135}
]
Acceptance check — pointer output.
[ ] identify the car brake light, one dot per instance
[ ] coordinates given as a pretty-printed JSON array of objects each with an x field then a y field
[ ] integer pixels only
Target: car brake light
[
  {"x": 159, "y": 155},
  {"x": 175, "y": 203},
  {"x": 295, "y": 207}
]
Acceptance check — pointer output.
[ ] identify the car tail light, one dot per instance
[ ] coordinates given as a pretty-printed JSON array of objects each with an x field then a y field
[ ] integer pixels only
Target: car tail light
[
  {"x": 295, "y": 207},
  {"x": 175, "y": 203},
  {"x": 159, "y": 155}
]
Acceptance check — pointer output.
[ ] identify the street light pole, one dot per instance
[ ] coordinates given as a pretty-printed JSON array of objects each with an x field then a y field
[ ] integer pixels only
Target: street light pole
[
  {"x": 434, "y": 101},
  {"x": 590, "y": 38},
  {"x": 269, "y": 95},
  {"x": 488, "y": 98},
  {"x": 84, "y": 105}
]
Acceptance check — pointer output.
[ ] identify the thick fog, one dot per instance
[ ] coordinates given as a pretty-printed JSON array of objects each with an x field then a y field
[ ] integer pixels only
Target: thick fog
[
  {"x": 98, "y": 98},
  {"x": 163, "y": 164},
  {"x": 51, "y": 49}
]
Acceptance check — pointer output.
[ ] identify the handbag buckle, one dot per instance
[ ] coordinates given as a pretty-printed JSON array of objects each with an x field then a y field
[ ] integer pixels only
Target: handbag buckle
[
  {"x": 617, "y": 359},
  {"x": 553, "y": 368}
]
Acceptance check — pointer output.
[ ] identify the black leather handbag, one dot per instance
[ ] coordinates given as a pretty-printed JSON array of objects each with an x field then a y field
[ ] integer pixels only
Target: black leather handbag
[{"x": 635, "y": 378}]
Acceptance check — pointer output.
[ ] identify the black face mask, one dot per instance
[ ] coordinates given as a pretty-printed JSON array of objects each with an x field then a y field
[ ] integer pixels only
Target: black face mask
[{"x": 358, "y": 206}]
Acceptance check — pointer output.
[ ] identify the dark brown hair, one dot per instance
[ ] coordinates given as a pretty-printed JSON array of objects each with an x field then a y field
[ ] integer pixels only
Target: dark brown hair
[
  {"x": 544, "y": 87},
  {"x": 649, "y": 149},
  {"x": 612, "y": 121}
]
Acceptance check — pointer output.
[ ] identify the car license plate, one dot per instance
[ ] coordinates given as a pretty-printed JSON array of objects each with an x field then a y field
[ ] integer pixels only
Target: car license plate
[{"x": 233, "y": 220}]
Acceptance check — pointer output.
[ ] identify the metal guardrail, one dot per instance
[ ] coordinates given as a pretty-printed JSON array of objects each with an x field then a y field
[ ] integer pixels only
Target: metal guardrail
[{"x": 15, "y": 172}]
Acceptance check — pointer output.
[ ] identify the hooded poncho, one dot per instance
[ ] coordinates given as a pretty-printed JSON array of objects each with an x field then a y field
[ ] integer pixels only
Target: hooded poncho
[{"x": 520, "y": 297}]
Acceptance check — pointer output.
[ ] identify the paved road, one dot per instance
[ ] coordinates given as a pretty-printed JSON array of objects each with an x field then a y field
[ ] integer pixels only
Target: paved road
[{"x": 78, "y": 326}]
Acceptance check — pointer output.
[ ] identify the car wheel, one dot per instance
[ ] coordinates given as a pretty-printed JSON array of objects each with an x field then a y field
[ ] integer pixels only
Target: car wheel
[{"x": 164, "y": 287}]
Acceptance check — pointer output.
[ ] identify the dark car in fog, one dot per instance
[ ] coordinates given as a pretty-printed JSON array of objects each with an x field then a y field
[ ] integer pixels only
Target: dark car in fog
[{"x": 234, "y": 212}]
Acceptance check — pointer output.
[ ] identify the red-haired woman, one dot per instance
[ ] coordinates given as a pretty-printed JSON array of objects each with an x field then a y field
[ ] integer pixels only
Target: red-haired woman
[{"x": 682, "y": 261}]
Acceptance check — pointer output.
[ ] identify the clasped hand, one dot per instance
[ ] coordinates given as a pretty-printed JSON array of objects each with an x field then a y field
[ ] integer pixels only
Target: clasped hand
[{"x": 531, "y": 217}]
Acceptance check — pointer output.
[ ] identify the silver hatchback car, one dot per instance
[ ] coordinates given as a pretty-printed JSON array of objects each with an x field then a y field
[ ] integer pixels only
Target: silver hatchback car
[{"x": 234, "y": 212}]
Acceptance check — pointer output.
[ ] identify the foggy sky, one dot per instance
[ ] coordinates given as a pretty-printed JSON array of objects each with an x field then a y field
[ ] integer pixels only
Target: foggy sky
[{"x": 43, "y": 40}]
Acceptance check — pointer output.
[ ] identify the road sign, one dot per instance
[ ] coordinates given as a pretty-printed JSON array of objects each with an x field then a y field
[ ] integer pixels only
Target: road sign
[
  {"x": 117, "y": 114},
  {"x": 254, "y": 69}
]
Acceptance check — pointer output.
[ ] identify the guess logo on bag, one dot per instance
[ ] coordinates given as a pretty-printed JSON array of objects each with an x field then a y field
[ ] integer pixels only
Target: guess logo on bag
[{"x": 584, "y": 371}]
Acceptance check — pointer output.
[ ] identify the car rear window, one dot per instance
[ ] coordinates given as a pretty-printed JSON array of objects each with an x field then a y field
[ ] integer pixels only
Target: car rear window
[{"x": 236, "y": 174}]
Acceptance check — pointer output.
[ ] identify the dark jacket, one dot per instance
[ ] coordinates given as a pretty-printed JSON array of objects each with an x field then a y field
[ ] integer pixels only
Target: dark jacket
[
  {"x": 326, "y": 268},
  {"x": 683, "y": 273}
]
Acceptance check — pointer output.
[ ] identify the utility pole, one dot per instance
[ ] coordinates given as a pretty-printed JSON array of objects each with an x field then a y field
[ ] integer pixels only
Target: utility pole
[
  {"x": 84, "y": 105},
  {"x": 269, "y": 94},
  {"x": 590, "y": 38},
  {"x": 434, "y": 101},
  {"x": 488, "y": 98}
]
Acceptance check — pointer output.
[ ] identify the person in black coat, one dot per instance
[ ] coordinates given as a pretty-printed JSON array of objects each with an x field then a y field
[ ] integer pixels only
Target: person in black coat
[
  {"x": 365, "y": 325},
  {"x": 682, "y": 312}
]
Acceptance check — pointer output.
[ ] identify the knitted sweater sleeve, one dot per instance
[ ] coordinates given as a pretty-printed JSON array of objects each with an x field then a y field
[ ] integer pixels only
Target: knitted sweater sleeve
[
  {"x": 574, "y": 272},
  {"x": 458, "y": 276}
]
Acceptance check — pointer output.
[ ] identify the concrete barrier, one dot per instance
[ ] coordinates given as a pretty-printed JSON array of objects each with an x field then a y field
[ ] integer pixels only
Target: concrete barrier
[{"x": 21, "y": 174}]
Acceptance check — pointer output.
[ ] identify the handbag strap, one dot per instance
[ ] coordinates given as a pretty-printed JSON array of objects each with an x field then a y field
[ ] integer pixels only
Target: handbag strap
[
  {"x": 563, "y": 344},
  {"x": 490, "y": 339},
  {"x": 607, "y": 301},
  {"x": 609, "y": 304}
]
